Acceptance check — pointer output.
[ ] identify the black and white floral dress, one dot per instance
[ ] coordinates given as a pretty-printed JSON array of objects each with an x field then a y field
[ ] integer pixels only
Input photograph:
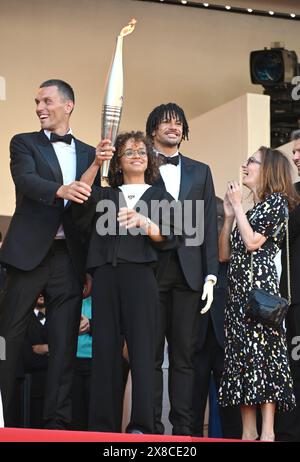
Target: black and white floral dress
[{"x": 256, "y": 368}]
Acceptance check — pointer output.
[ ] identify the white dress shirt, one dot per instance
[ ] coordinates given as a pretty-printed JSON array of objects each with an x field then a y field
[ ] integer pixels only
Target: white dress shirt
[
  {"x": 133, "y": 193},
  {"x": 171, "y": 174},
  {"x": 36, "y": 312},
  {"x": 66, "y": 156}
]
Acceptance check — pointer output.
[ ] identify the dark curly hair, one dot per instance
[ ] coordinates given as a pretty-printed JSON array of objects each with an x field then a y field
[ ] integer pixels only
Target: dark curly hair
[
  {"x": 115, "y": 174},
  {"x": 166, "y": 111}
]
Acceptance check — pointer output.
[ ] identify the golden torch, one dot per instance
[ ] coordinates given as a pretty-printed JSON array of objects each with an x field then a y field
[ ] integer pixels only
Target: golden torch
[{"x": 113, "y": 99}]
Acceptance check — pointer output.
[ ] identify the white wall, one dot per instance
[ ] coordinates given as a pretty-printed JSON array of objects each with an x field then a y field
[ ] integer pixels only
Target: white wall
[{"x": 224, "y": 137}]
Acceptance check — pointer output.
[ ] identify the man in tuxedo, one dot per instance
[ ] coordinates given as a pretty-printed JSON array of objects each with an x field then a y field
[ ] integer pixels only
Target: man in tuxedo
[
  {"x": 42, "y": 249},
  {"x": 288, "y": 423},
  {"x": 186, "y": 273}
]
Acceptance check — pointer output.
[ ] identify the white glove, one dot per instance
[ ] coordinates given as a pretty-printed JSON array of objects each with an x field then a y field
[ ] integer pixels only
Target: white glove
[{"x": 208, "y": 293}]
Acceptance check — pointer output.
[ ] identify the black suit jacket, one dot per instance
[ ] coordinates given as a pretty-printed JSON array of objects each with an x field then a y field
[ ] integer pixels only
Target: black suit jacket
[
  {"x": 294, "y": 239},
  {"x": 200, "y": 260},
  {"x": 217, "y": 311},
  {"x": 37, "y": 176},
  {"x": 115, "y": 247},
  {"x": 293, "y": 315}
]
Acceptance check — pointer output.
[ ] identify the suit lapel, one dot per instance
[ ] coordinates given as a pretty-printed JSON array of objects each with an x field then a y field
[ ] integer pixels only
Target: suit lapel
[
  {"x": 82, "y": 159},
  {"x": 48, "y": 153},
  {"x": 187, "y": 174},
  {"x": 159, "y": 182},
  {"x": 81, "y": 162}
]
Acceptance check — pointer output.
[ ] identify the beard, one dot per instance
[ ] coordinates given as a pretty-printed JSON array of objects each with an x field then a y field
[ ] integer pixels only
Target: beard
[
  {"x": 40, "y": 304},
  {"x": 169, "y": 143}
]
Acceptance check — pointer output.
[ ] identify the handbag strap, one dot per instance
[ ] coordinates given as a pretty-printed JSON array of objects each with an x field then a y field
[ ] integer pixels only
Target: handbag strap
[{"x": 287, "y": 262}]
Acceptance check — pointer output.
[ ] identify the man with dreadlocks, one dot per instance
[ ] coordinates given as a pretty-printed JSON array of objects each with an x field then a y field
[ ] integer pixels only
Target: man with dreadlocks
[{"x": 186, "y": 273}]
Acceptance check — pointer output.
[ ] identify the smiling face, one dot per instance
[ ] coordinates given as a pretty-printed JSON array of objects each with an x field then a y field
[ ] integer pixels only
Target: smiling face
[
  {"x": 168, "y": 134},
  {"x": 251, "y": 171},
  {"x": 296, "y": 154},
  {"x": 53, "y": 110},
  {"x": 133, "y": 159}
]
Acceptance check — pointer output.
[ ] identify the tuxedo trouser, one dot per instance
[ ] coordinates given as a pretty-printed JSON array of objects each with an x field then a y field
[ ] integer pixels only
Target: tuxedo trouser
[
  {"x": 177, "y": 322},
  {"x": 62, "y": 289},
  {"x": 209, "y": 361},
  {"x": 124, "y": 305},
  {"x": 287, "y": 424},
  {"x": 81, "y": 394}
]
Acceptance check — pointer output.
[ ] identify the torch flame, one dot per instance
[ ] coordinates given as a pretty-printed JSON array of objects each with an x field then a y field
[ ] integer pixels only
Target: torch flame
[{"x": 129, "y": 28}]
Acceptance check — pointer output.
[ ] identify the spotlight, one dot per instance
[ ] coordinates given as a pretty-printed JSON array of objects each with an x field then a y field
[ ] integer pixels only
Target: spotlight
[
  {"x": 206, "y": 5},
  {"x": 273, "y": 67},
  {"x": 249, "y": 10},
  {"x": 275, "y": 70},
  {"x": 271, "y": 13},
  {"x": 292, "y": 15},
  {"x": 228, "y": 7}
]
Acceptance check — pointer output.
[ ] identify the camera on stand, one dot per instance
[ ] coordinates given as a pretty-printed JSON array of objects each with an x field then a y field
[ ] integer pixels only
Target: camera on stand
[{"x": 277, "y": 69}]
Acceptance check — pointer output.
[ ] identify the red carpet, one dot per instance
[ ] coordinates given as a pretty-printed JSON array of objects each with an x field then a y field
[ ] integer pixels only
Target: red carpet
[{"x": 30, "y": 435}]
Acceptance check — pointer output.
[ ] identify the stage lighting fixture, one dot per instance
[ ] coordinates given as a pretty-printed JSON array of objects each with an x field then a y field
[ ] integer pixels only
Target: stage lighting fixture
[{"x": 273, "y": 67}]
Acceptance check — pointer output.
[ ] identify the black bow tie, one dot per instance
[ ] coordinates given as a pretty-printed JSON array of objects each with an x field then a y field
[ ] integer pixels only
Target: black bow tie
[
  {"x": 169, "y": 160},
  {"x": 40, "y": 315},
  {"x": 65, "y": 138}
]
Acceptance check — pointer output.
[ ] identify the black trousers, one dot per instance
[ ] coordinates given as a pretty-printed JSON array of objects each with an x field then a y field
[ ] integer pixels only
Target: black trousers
[
  {"x": 287, "y": 424},
  {"x": 124, "y": 305},
  {"x": 37, "y": 398},
  {"x": 178, "y": 323},
  {"x": 56, "y": 278},
  {"x": 81, "y": 394},
  {"x": 210, "y": 361}
]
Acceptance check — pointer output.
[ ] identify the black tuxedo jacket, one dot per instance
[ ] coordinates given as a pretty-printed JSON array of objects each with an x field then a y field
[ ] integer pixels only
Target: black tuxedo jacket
[
  {"x": 37, "y": 176},
  {"x": 200, "y": 260},
  {"x": 293, "y": 314},
  {"x": 217, "y": 311},
  {"x": 294, "y": 239}
]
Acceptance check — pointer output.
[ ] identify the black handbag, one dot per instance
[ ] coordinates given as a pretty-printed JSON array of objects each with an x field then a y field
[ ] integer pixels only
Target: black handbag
[{"x": 266, "y": 308}]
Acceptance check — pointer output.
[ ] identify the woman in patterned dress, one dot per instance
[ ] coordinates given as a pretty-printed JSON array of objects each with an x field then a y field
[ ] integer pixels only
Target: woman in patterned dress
[{"x": 256, "y": 369}]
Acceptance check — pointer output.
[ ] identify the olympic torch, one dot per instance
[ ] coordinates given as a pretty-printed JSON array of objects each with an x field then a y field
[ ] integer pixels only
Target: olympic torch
[{"x": 113, "y": 99}]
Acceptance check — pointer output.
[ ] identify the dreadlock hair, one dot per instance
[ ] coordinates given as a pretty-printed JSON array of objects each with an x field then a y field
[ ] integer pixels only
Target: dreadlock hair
[
  {"x": 166, "y": 112},
  {"x": 115, "y": 174}
]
